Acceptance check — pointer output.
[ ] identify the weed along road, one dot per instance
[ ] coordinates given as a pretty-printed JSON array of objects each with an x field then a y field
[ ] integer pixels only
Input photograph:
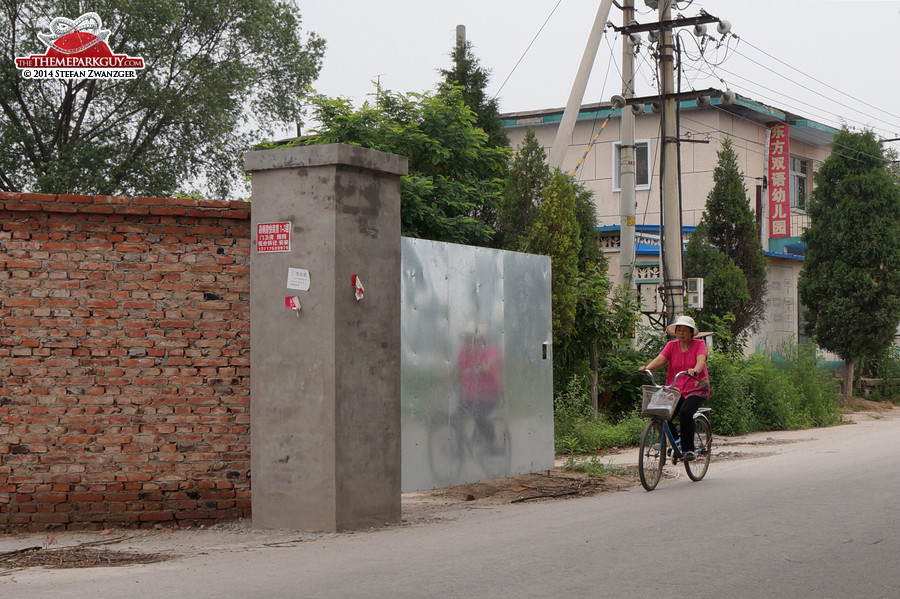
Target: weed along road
[{"x": 818, "y": 518}]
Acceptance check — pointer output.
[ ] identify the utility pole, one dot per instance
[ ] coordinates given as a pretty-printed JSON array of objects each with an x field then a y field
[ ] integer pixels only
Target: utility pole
[
  {"x": 670, "y": 227},
  {"x": 627, "y": 160},
  {"x": 461, "y": 35},
  {"x": 573, "y": 106}
]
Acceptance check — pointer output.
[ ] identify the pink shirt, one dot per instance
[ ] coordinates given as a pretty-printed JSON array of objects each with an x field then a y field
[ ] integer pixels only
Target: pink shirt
[
  {"x": 480, "y": 374},
  {"x": 685, "y": 360}
]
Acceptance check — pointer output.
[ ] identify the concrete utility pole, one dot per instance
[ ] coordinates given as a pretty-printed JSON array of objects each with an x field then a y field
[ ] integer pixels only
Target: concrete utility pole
[
  {"x": 627, "y": 162},
  {"x": 671, "y": 216},
  {"x": 570, "y": 115}
]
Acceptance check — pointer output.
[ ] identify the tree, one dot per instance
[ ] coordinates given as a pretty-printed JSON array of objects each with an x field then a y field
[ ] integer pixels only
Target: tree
[
  {"x": 528, "y": 176},
  {"x": 586, "y": 214},
  {"x": 468, "y": 74},
  {"x": 725, "y": 289},
  {"x": 554, "y": 232},
  {"x": 729, "y": 227},
  {"x": 454, "y": 178},
  {"x": 208, "y": 67},
  {"x": 850, "y": 282}
]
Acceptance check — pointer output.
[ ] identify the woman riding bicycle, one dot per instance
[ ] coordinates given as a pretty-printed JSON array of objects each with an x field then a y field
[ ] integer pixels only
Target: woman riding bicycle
[{"x": 685, "y": 353}]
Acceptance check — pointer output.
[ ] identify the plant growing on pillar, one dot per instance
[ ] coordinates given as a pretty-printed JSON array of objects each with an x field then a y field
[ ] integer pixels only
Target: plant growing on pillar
[{"x": 850, "y": 282}]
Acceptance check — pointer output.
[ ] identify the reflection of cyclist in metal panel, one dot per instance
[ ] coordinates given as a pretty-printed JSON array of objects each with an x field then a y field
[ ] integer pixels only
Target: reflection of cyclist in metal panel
[
  {"x": 479, "y": 366},
  {"x": 685, "y": 353}
]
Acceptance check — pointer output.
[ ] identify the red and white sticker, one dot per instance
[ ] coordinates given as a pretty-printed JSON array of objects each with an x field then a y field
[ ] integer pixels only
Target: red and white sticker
[{"x": 359, "y": 290}]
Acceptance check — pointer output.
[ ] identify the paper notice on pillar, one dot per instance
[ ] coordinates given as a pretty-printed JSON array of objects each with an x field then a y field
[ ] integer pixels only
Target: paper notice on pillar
[{"x": 298, "y": 278}]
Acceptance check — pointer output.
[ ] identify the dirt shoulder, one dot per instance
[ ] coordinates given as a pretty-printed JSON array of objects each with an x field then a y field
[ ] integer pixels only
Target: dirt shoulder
[{"x": 127, "y": 547}]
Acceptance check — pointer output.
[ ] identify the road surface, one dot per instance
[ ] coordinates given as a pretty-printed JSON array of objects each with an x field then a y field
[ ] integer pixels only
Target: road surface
[{"x": 819, "y": 519}]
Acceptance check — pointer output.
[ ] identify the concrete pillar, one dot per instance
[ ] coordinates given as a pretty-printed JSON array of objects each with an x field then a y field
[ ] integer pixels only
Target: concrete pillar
[{"x": 325, "y": 380}]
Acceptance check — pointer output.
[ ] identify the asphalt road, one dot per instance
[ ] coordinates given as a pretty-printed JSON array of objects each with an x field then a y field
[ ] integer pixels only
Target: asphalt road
[{"x": 818, "y": 520}]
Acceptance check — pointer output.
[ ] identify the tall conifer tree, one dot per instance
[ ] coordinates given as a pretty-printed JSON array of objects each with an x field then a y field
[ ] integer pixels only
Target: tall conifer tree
[{"x": 850, "y": 281}]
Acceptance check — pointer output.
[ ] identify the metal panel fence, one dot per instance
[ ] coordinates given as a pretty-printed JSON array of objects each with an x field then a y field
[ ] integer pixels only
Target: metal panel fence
[{"x": 477, "y": 377}]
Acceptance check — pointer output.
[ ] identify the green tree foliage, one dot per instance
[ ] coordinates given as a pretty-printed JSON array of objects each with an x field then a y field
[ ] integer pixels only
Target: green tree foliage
[
  {"x": 528, "y": 176},
  {"x": 590, "y": 253},
  {"x": 468, "y": 74},
  {"x": 724, "y": 288},
  {"x": 209, "y": 67},
  {"x": 850, "y": 280},
  {"x": 725, "y": 246},
  {"x": 554, "y": 232},
  {"x": 584, "y": 351},
  {"x": 455, "y": 178}
]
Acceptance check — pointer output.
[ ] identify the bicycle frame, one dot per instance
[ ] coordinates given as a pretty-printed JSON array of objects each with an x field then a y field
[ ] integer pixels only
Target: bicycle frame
[
  {"x": 653, "y": 450},
  {"x": 674, "y": 443}
]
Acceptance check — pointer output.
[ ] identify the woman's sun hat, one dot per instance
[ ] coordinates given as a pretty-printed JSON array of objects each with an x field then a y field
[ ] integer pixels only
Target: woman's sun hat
[{"x": 683, "y": 321}]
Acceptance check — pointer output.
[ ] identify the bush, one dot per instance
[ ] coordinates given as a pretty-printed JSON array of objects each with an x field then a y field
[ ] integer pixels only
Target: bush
[
  {"x": 814, "y": 385},
  {"x": 787, "y": 390},
  {"x": 729, "y": 398},
  {"x": 885, "y": 367},
  {"x": 578, "y": 432},
  {"x": 775, "y": 401},
  {"x": 790, "y": 391},
  {"x": 620, "y": 383}
]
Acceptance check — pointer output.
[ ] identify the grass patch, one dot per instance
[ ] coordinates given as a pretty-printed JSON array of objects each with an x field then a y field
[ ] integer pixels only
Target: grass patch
[{"x": 593, "y": 467}]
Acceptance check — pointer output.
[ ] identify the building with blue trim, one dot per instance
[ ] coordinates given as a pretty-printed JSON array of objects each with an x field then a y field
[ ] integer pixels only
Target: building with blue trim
[{"x": 593, "y": 159}]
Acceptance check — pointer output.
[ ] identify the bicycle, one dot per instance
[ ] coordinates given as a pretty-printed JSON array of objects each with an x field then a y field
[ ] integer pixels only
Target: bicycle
[
  {"x": 453, "y": 438},
  {"x": 658, "y": 404}
]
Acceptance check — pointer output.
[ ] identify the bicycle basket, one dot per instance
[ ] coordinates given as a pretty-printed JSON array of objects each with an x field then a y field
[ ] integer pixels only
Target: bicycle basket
[{"x": 658, "y": 402}]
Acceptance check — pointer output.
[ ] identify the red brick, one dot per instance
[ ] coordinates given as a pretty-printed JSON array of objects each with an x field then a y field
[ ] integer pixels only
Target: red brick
[{"x": 141, "y": 393}]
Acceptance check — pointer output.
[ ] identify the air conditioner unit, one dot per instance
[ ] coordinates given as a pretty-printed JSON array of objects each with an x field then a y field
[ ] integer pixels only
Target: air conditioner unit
[
  {"x": 648, "y": 296},
  {"x": 693, "y": 297}
]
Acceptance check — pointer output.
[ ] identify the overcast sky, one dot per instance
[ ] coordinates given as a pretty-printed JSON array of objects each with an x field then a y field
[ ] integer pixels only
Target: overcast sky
[{"x": 833, "y": 61}]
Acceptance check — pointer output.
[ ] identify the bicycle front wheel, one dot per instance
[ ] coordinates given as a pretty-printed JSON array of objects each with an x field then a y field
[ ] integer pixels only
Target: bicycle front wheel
[
  {"x": 696, "y": 469},
  {"x": 653, "y": 454}
]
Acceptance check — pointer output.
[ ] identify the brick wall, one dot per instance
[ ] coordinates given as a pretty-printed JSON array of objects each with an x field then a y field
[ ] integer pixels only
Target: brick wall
[{"x": 124, "y": 361}]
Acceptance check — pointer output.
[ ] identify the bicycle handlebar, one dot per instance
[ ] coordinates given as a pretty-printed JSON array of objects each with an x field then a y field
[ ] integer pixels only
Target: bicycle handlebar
[{"x": 675, "y": 378}]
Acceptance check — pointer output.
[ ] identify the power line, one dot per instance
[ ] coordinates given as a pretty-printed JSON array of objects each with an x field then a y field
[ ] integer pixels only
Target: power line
[
  {"x": 806, "y": 106},
  {"x": 820, "y": 82},
  {"x": 547, "y": 20},
  {"x": 821, "y": 95}
]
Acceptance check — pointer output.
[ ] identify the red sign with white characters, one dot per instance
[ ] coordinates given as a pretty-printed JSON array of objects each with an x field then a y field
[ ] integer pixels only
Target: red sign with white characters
[
  {"x": 273, "y": 237},
  {"x": 779, "y": 180}
]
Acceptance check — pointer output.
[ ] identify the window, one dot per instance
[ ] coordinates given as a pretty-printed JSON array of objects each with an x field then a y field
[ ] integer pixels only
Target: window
[
  {"x": 641, "y": 165},
  {"x": 799, "y": 182}
]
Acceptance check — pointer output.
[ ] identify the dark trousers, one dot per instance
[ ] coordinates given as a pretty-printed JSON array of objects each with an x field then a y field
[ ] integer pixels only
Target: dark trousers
[
  {"x": 686, "y": 408},
  {"x": 481, "y": 412}
]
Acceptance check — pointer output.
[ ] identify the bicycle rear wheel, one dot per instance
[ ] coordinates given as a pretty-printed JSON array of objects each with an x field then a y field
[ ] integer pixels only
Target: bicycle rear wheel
[
  {"x": 495, "y": 457},
  {"x": 696, "y": 469},
  {"x": 653, "y": 454}
]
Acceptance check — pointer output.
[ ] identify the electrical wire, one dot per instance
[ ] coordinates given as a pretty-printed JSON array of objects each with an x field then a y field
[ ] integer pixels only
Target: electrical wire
[
  {"x": 608, "y": 116},
  {"x": 518, "y": 62},
  {"x": 820, "y": 82},
  {"x": 833, "y": 118},
  {"x": 822, "y": 95}
]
